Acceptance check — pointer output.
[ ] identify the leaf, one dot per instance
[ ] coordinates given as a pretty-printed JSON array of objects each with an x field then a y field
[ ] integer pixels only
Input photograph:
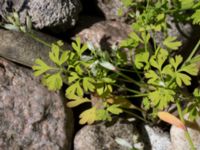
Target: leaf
[
  {"x": 54, "y": 54},
  {"x": 53, "y": 82},
  {"x": 123, "y": 143},
  {"x": 168, "y": 70},
  {"x": 102, "y": 115},
  {"x": 152, "y": 76},
  {"x": 195, "y": 17},
  {"x": 171, "y": 43},
  {"x": 76, "y": 100},
  {"x": 88, "y": 116},
  {"x": 114, "y": 109},
  {"x": 161, "y": 97},
  {"x": 88, "y": 84},
  {"x": 176, "y": 62},
  {"x": 108, "y": 65},
  {"x": 74, "y": 89},
  {"x": 191, "y": 69},
  {"x": 11, "y": 27},
  {"x": 64, "y": 57},
  {"x": 40, "y": 67},
  {"x": 186, "y": 4},
  {"x": 171, "y": 119},
  {"x": 141, "y": 59},
  {"x": 73, "y": 77},
  {"x": 182, "y": 78}
]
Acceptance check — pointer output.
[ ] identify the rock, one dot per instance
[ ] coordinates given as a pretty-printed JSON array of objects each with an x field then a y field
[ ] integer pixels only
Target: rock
[
  {"x": 102, "y": 137},
  {"x": 23, "y": 49},
  {"x": 104, "y": 34},
  {"x": 53, "y": 14},
  {"x": 155, "y": 138},
  {"x": 31, "y": 117},
  {"x": 110, "y": 9},
  {"x": 178, "y": 139}
]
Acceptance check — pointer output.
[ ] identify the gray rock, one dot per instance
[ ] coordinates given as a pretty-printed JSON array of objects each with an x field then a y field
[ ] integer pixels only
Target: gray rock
[
  {"x": 104, "y": 34},
  {"x": 54, "y": 14},
  {"x": 138, "y": 135},
  {"x": 178, "y": 139},
  {"x": 156, "y": 139},
  {"x": 23, "y": 49},
  {"x": 31, "y": 117},
  {"x": 102, "y": 137},
  {"x": 110, "y": 9}
]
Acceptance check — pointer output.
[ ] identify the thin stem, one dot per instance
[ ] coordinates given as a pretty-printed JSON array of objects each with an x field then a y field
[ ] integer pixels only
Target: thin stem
[
  {"x": 38, "y": 39},
  {"x": 193, "y": 51},
  {"x": 130, "y": 90},
  {"x": 187, "y": 135},
  {"x": 130, "y": 79},
  {"x": 137, "y": 116}
]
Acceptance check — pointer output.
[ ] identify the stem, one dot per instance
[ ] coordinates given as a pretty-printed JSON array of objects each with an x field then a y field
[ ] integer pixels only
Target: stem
[
  {"x": 130, "y": 79},
  {"x": 137, "y": 116},
  {"x": 38, "y": 39},
  {"x": 193, "y": 51},
  {"x": 187, "y": 135}
]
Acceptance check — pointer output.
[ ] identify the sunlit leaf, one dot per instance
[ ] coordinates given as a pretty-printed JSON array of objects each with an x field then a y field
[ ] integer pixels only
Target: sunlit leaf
[
  {"x": 171, "y": 119},
  {"x": 88, "y": 116}
]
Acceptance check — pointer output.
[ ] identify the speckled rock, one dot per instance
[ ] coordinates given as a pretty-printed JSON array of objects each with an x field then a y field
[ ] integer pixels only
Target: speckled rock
[
  {"x": 104, "y": 34},
  {"x": 179, "y": 140},
  {"x": 102, "y": 137},
  {"x": 56, "y": 14},
  {"x": 138, "y": 135},
  {"x": 32, "y": 118},
  {"x": 155, "y": 138},
  {"x": 110, "y": 9}
]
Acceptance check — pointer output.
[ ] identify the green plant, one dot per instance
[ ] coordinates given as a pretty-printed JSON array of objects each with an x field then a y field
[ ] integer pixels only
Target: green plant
[{"x": 94, "y": 75}]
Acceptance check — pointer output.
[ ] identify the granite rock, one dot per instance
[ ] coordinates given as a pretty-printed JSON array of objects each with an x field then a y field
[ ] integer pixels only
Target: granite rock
[{"x": 32, "y": 118}]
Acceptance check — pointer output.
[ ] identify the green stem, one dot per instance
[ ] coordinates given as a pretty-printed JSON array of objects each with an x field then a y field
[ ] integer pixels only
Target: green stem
[
  {"x": 38, "y": 39},
  {"x": 187, "y": 135},
  {"x": 193, "y": 51},
  {"x": 136, "y": 116},
  {"x": 130, "y": 79}
]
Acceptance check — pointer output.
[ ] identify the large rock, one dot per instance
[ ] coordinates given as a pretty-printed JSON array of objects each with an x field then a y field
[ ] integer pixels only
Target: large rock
[
  {"x": 31, "y": 117},
  {"x": 103, "y": 34},
  {"x": 179, "y": 140},
  {"x": 23, "y": 49},
  {"x": 53, "y": 14},
  {"x": 110, "y": 9},
  {"x": 102, "y": 137}
]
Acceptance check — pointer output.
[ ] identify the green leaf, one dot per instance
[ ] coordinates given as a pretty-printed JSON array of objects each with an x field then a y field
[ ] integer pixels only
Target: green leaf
[
  {"x": 195, "y": 17},
  {"x": 152, "y": 76},
  {"x": 186, "y": 4},
  {"x": 191, "y": 69},
  {"x": 182, "y": 78},
  {"x": 114, "y": 109},
  {"x": 168, "y": 70},
  {"x": 171, "y": 43},
  {"x": 176, "y": 62},
  {"x": 64, "y": 57},
  {"x": 88, "y": 116},
  {"x": 88, "y": 84},
  {"x": 54, "y": 54},
  {"x": 74, "y": 89},
  {"x": 53, "y": 82},
  {"x": 103, "y": 115},
  {"x": 161, "y": 97},
  {"x": 76, "y": 100},
  {"x": 78, "y": 69},
  {"x": 141, "y": 59},
  {"x": 40, "y": 67},
  {"x": 73, "y": 77}
]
